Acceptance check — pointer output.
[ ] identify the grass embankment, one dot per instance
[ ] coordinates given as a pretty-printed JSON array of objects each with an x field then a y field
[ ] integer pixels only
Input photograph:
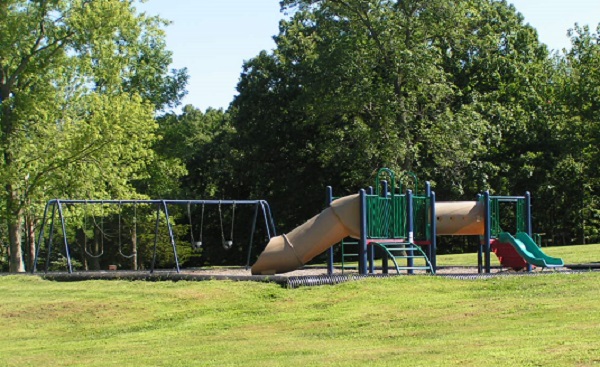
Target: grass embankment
[{"x": 548, "y": 320}]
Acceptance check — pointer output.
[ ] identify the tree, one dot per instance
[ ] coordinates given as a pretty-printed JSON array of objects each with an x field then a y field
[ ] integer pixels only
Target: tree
[
  {"x": 356, "y": 85},
  {"x": 576, "y": 176},
  {"x": 80, "y": 81}
]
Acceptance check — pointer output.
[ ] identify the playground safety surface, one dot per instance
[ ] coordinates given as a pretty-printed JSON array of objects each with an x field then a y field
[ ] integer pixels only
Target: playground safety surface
[{"x": 307, "y": 276}]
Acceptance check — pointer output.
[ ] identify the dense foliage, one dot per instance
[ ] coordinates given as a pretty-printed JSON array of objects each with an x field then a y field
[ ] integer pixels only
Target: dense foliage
[{"x": 462, "y": 93}]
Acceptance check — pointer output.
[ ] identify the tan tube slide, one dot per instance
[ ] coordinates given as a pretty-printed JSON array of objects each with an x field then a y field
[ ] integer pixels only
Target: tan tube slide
[
  {"x": 342, "y": 219},
  {"x": 290, "y": 251},
  {"x": 459, "y": 218}
]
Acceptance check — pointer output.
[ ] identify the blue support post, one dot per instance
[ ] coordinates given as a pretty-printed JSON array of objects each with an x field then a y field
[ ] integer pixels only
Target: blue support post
[
  {"x": 480, "y": 245},
  {"x": 487, "y": 231},
  {"x": 433, "y": 246},
  {"x": 64, "y": 229},
  {"x": 371, "y": 249},
  {"x": 171, "y": 236},
  {"x": 254, "y": 219},
  {"x": 428, "y": 218},
  {"x": 362, "y": 245},
  {"x": 40, "y": 237},
  {"x": 411, "y": 229},
  {"x": 328, "y": 200},
  {"x": 528, "y": 226},
  {"x": 50, "y": 237}
]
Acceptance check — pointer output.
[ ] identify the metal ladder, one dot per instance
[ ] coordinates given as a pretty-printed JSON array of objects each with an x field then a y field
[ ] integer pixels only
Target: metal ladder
[
  {"x": 403, "y": 251},
  {"x": 396, "y": 251}
]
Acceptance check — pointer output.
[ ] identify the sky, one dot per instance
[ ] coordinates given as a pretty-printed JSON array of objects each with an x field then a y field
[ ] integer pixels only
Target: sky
[{"x": 213, "y": 38}]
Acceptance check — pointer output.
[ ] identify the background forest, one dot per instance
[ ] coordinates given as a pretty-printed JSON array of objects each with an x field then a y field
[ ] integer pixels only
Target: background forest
[{"x": 462, "y": 93}]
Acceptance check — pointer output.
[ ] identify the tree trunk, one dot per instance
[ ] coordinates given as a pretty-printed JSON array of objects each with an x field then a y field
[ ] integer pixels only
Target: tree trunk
[
  {"x": 16, "y": 264},
  {"x": 31, "y": 239}
]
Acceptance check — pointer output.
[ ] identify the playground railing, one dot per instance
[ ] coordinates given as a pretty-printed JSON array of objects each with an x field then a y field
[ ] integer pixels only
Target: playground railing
[{"x": 386, "y": 216}]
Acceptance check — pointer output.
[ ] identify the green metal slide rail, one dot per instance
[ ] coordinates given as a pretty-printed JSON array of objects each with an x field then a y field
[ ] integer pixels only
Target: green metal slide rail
[{"x": 402, "y": 251}]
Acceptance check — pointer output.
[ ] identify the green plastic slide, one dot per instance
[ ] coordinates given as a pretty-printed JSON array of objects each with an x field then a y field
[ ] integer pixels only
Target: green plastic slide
[{"x": 529, "y": 250}]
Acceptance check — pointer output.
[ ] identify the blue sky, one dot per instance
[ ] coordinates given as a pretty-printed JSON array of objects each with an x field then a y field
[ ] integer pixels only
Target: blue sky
[{"x": 212, "y": 38}]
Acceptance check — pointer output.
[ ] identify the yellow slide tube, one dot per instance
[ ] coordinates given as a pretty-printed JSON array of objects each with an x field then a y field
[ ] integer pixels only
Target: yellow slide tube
[
  {"x": 292, "y": 250},
  {"x": 463, "y": 218}
]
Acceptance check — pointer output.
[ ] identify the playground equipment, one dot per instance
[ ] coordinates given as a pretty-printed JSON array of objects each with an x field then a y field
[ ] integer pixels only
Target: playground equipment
[
  {"x": 397, "y": 224},
  {"x": 55, "y": 207},
  {"x": 404, "y": 227}
]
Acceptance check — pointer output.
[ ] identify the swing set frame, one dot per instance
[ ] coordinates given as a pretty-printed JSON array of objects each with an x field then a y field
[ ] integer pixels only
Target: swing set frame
[{"x": 55, "y": 206}]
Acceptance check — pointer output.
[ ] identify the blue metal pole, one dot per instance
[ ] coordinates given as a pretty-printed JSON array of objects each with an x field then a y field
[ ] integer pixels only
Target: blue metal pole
[
  {"x": 158, "y": 201},
  {"x": 171, "y": 237},
  {"x": 427, "y": 217},
  {"x": 271, "y": 220},
  {"x": 480, "y": 244},
  {"x": 371, "y": 249},
  {"x": 40, "y": 238},
  {"x": 487, "y": 231},
  {"x": 266, "y": 215},
  {"x": 411, "y": 229},
  {"x": 51, "y": 236},
  {"x": 362, "y": 250},
  {"x": 64, "y": 229},
  {"x": 254, "y": 219},
  {"x": 328, "y": 200},
  {"x": 528, "y": 226},
  {"x": 433, "y": 258}
]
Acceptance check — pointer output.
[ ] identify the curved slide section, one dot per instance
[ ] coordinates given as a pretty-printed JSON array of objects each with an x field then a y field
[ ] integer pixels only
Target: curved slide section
[
  {"x": 292, "y": 250},
  {"x": 528, "y": 249},
  {"x": 455, "y": 218}
]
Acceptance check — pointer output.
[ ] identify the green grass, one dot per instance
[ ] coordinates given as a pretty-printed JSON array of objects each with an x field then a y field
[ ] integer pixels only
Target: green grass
[{"x": 550, "y": 320}]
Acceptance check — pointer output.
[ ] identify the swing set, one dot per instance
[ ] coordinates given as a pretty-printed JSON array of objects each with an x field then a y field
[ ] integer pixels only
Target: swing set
[{"x": 55, "y": 208}]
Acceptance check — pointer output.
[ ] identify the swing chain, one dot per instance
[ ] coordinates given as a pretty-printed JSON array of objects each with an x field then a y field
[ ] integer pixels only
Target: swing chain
[
  {"x": 101, "y": 228},
  {"x": 120, "y": 234},
  {"x": 196, "y": 245},
  {"x": 227, "y": 244}
]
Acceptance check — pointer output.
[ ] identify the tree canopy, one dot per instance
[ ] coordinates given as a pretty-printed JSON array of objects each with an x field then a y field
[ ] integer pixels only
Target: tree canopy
[
  {"x": 462, "y": 93},
  {"x": 80, "y": 82}
]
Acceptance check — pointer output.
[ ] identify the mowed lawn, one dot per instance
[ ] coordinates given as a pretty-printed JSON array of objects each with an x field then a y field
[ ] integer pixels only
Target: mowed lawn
[{"x": 550, "y": 320}]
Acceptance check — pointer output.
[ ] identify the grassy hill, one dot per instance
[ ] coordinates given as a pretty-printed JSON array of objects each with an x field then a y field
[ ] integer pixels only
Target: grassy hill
[{"x": 549, "y": 319}]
